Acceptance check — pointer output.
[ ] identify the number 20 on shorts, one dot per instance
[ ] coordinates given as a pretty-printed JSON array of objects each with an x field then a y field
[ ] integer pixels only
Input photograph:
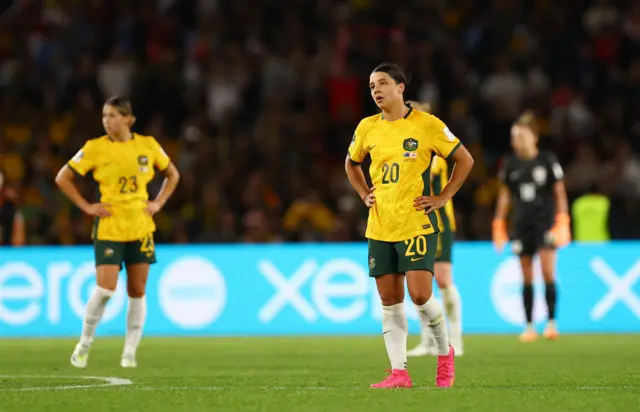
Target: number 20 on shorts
[{"x": 415, "y": 245}]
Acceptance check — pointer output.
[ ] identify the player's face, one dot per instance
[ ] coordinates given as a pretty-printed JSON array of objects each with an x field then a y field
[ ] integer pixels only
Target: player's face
[
  {"x": 523, "y": 140},
  {"x": 384, "y": 90},
  {"x": 113, "y": 121}
]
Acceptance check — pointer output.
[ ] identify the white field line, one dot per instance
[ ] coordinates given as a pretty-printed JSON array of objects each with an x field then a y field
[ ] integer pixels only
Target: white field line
[{"x": 108, "y": 382}]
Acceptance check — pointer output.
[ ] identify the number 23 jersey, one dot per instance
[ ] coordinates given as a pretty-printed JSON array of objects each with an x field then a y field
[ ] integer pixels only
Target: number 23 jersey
[
  {"x": 122, "y": 171},
  {"x": 401, "y": 153}
]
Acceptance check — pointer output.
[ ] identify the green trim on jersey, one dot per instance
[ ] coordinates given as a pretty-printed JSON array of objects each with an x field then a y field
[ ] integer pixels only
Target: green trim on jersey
[
  {"x": 426, "y": 191},
  {"x": 455, "y": 149}
]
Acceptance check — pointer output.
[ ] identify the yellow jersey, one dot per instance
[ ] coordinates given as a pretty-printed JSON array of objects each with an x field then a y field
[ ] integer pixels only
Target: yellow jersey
[
  {"x": 441, "y": 175},
  {"x": 401, "y": 153},
  {"x": 122, "y": 171}
]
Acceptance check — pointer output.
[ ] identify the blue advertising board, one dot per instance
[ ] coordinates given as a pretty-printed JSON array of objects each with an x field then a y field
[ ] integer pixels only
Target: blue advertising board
[{"x": 307, "y": 289}]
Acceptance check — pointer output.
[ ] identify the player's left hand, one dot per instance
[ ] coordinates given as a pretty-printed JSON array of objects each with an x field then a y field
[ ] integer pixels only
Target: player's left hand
[
  {"x": 562, "y": 230},
  {"x": 153, "y": 207},
  {"x": 429, "y": 203}
]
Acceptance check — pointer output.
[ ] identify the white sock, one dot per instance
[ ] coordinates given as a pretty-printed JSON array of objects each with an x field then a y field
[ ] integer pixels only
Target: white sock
[
  {"x": 426, "y": 336},
  {"x": 394, "y": 331},
  {"x": 452, "y": 304},
  {"x": 136, "y": 315},
  {"x": 431, "y": 316},
  {"x": 94, "y": 311}
]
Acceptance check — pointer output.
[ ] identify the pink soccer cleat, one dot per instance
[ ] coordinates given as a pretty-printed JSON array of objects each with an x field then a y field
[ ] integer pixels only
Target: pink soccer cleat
[
  {"x": 445, "y": 374},
  {"x": 399, "y": 378}
]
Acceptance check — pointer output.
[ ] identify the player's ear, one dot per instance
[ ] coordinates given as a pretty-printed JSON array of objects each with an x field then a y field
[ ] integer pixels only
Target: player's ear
[
  {"x": 132, "y": 121},
  {"x": 401, "y": 88}
]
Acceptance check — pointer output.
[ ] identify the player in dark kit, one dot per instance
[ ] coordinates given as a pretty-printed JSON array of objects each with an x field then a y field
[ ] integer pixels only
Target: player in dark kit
[{"x": 533, "y": 182}]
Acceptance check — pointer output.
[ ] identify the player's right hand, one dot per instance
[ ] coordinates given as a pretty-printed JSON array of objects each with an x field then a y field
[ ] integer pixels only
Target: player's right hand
[
  {"x": 499, "y": 234},
  {"x": 370, "y": 198},
  {"x": 98, "y": 209}
]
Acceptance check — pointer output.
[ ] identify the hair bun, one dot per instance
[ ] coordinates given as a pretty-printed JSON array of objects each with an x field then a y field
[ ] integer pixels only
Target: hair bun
[{"x": 528, "y": 119}]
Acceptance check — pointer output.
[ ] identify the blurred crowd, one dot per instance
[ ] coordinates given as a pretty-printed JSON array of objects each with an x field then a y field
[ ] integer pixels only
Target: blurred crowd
[{"x": 256, "y": 102}]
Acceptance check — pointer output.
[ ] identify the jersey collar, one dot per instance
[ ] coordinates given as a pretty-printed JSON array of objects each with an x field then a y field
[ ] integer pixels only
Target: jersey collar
[
  {"x": 133, "y": 136},
  {"x": 406, "y": 115}
]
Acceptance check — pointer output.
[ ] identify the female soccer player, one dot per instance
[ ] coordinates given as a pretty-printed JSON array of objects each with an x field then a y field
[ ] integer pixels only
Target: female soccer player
[
  {"x": 122, "y": 163},
  {"x": 402, "y": 227},
  {"x": 440, "y": 173},
  {"x": 533, "y": 181}
]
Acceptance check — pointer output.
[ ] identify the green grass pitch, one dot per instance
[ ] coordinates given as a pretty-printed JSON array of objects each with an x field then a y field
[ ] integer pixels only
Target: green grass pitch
[{"x": 497, "y": 373}]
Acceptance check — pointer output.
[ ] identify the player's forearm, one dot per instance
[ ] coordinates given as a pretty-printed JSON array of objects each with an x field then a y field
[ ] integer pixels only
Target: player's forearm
[
  {"x": 459, "y": 174},
  {"x": 168, "y": 185},
  {"x": 463, "y": 165},
  {"x": 356, "y": 178},
  {"x": 64, "y": 180},
  {"x": 503, "y": 204},
  {"x": 560, "y": 194}
]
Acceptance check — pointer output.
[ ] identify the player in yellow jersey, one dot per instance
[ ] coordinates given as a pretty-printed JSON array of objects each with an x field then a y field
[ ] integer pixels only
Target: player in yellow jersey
[
  {"x": 122, "y": 164},
  {"x": 440, "y": 173},
  {"x": 403, "y": 228}
]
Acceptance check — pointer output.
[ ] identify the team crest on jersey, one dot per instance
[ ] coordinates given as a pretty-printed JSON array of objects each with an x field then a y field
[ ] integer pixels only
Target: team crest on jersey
[
  {"x": 410, "y": 144},
  {"x": 539, "y": 174},
  {"x": 143, "y": 163},
  {"x": 372, "y": 262}
]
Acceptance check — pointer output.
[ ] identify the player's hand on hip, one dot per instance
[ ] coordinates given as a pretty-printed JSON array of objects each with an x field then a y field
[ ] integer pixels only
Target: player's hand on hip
[
  {"x": 98, "y": 209},
  {"x": 153, "y": 207},
  {"x": 370, "y": 198},
  {"x": 429, "y": 203},
  {"x": 499, "y": 234}
]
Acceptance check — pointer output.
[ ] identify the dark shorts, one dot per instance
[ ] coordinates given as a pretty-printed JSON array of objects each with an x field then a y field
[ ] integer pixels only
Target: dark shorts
[
  {"x": 108, "y": 252},
  {"x": 445, "y": 246},
  {"x": 527, "y": 241},
  {"x": 418, "y": 253}
]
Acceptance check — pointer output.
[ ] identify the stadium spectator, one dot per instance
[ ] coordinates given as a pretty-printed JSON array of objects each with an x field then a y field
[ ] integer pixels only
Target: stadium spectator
[
  {"x": 12, "y": 230},
  {"x": 256, "y": 103}
]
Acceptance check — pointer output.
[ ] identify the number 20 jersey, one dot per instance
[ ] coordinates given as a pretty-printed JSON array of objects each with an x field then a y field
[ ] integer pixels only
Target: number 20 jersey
[
  {"x": 531, "y": 183},
  {"x": 122, "y": 171},
  {"x": 401, "y": 154}
]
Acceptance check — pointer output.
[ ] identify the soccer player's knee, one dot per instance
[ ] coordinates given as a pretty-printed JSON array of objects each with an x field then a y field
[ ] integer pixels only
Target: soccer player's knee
[
  {"x": 420, "y": 298},
  {"x": 390, "y": 298},
  {"x": 443, "y": 282},
  {"x": 104, "y": 294},
  {"x": 107, "y": 281},
  {"x": 136, "y": 290}
]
